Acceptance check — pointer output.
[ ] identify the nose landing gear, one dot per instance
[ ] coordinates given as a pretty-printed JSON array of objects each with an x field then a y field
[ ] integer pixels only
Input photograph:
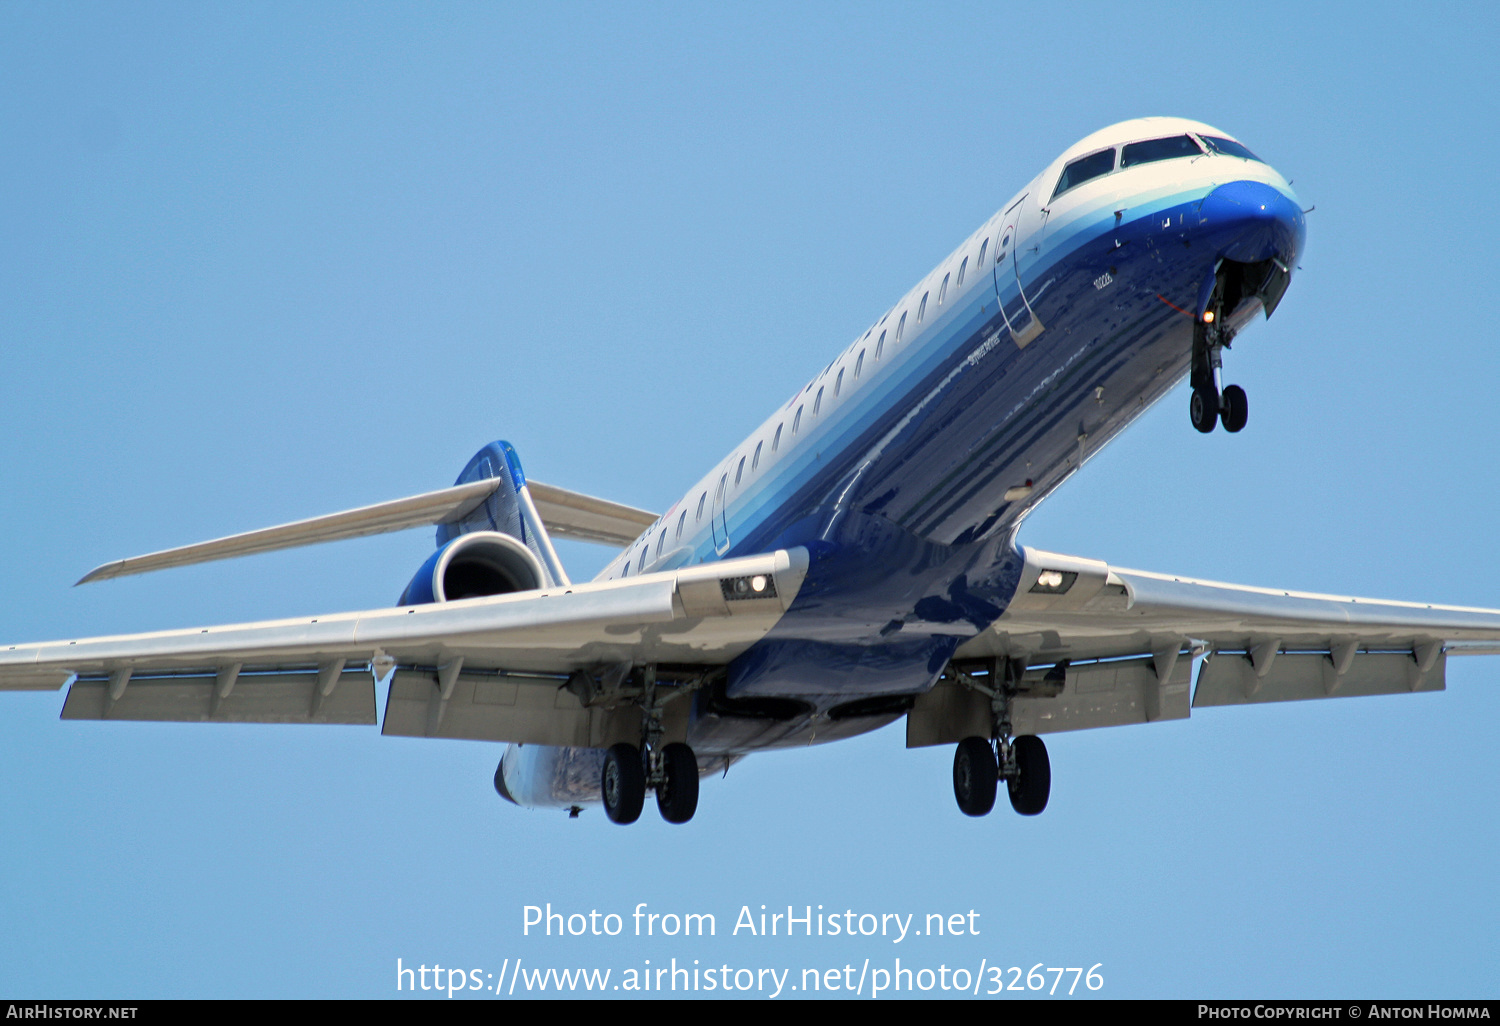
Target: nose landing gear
[{"x": 1209, "y": 404}]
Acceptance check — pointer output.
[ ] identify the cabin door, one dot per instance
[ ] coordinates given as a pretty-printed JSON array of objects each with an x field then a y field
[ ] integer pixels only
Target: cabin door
[
  {"x": 718, "y": 520},
  {"x": 1020, "y": 243}
]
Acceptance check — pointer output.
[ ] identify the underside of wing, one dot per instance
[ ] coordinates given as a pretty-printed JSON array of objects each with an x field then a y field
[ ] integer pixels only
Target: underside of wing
[
  {"x": 1089, "y": 645},
  {"x": 545, "y": 666}
]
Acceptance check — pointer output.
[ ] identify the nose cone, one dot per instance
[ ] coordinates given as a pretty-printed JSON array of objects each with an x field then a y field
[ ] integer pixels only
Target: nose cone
[{"x": 1252, "y": 221}]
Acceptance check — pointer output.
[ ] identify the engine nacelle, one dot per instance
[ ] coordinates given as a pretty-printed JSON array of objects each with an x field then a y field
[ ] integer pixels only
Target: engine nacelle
[{"x": 474, "y": 565}]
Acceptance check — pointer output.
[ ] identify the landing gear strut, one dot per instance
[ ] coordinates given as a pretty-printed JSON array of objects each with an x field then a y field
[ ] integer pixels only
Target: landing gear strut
[
  {"x": 1209, "y": 404},
  {"x": 980, "y": 763}
]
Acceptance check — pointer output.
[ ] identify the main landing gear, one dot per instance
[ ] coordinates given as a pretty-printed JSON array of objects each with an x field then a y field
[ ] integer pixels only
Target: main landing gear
[
  {"x": 980, "y": 764},
  {"x": 671, "y": 769},
  {"x": 1022, "y": 762},
  {"x": 628, "y": 772},
  {"x": 1209, "y": 404}
]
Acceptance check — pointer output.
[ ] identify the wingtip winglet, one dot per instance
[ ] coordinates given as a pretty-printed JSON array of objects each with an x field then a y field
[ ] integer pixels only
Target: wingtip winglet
[{"x": 101, "y": 573}]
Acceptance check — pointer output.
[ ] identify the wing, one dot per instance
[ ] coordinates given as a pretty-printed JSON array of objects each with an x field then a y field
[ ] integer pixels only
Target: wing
[
  {"x": 500, "y": 668},
  {"x": 1090, "y": 645}
]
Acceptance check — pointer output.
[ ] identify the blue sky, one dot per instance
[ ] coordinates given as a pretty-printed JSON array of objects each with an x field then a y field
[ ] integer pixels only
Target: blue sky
[{"x": 264, "y": 262}]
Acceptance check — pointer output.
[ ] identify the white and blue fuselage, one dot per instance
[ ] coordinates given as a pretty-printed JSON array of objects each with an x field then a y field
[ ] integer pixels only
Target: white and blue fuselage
[{"x": 906, "y": 465}]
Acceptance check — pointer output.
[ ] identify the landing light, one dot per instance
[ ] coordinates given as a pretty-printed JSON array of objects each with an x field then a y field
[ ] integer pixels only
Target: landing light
[
  {"x": 1054, "y": 582},
  {"x": 1208, "y": 317},
  {"x": 758, "y": 586}
]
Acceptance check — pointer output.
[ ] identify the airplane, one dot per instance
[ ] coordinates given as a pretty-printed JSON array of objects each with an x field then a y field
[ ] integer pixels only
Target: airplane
[{"x": 854, "y": 561}]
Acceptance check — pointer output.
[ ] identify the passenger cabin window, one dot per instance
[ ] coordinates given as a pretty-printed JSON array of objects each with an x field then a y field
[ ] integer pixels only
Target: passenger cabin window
[
  {"x": 739, "y": 471},
  {"x": 1152, "y": 150},
  {"x": 921, "y": 310},
  {"x": 961, "y": 269},
  {"x": 797, "y": 420},
  {"x": 701, "y": 500},
  {"x": 660, "y": 541},
  {"x": 838, "y": 382},
  {"x": 1085, "y": 169},
  {"x": 900, "y": 329},
  {"x": 818, "y": 402},
  {"x": 859, "y": 363},
  {"x": 681, "y": 522},
  {"x": 776, "y": 441},
  {"x": 1229, "y": 148},
  {"x": 879, "y": 346},
  {"x": 980, "y": 262},
  {"x": 943, "y": 292},
  {"x": 755, "y": 462}
]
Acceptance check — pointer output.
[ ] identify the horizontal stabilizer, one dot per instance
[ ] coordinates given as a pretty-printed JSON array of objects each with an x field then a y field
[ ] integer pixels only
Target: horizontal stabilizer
[
  {"x": 566, "y": 514},
  {"x": 585, "y": 518}
]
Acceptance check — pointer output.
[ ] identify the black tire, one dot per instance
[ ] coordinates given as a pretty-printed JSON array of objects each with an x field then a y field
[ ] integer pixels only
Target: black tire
[
  {"x": 1029, "y": 791},
  {"x": 975, "y": 776},
  {"x": 623, "y": 783},
  {"x": 677, "y": 797},
  {"x": 1236, "y": 408},
  {"x": 1203, "y": 408}
]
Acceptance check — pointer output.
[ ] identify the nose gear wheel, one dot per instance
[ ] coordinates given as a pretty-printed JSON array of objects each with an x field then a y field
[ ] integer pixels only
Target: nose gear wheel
[
  {"x": 1204, "y": 409},
  {"x": 1235, "y": 408}
]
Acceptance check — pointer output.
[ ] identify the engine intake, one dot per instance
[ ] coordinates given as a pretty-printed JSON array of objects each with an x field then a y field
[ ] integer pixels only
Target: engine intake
[{"x": 475, "y": 565}]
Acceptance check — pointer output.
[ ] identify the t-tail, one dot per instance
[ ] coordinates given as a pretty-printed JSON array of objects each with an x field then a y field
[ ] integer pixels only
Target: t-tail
[{"x": 498, "y": 547}]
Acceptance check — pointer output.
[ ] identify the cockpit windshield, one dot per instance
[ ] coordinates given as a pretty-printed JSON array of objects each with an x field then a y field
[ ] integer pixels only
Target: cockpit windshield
[
  {"x": 1147, "y": 151},
  {"x": 1230, "y": 148},
  {"x": 1159, "y": 149},
  {"x": 1083, "y": 169}
]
